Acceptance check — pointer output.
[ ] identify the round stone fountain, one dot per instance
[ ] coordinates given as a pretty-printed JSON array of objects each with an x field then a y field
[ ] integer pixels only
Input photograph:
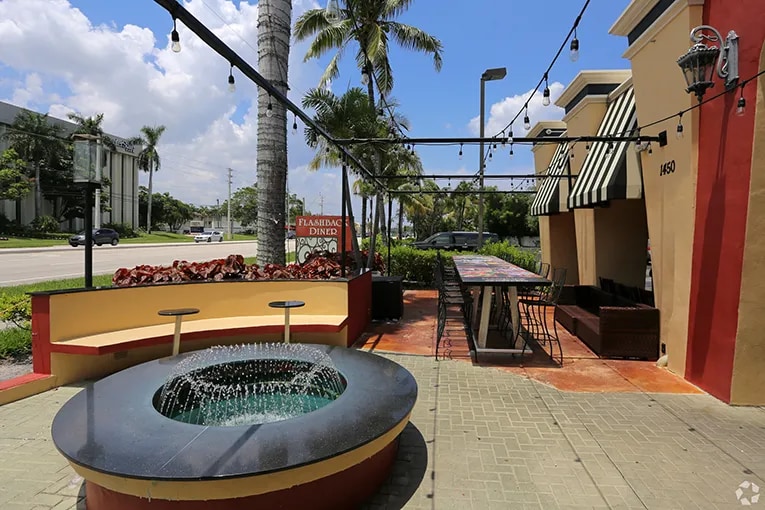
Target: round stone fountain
[{"x": 271, "y": 425}]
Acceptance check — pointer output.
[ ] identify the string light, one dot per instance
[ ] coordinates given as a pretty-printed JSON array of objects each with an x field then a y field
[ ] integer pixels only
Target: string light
[
  {"x": 489, "y": 156},
  {"x": 495, "y": 145},
  {"x": 294, "y": 125},
  {"x": 680, "y": 125},
  {"x": 231, "y": 81},
  {"x": 412, "y": 149},
  {"x": 460, "y": 152},
  {"x": 175, "y": 39},
  {"x": 546, "y": 94},
  {"x": 587, "y": 147},
  {"x": 741, "y": 106},
  {"x": 504, "y": 140},
  {"x": 510, "y": 134},
  {"x": 526, "y": 121},
  {"x": 364, "y": 77},
  {"x": 511, "y": 151},
  {"x": 574, "y": 53}
]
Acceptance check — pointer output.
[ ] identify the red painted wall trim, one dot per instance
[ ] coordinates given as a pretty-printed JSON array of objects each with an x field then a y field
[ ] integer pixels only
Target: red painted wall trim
[
  {"x": 722, "y": 198},
  {"x": 41, "y": 334},
  {"x": 359, "y": 306},
  {"x": 21, "y": 380}
]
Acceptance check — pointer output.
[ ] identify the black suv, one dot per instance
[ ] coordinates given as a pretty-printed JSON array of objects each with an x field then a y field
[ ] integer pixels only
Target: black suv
[
  {"x": 455, "y": 241},
  {"x": 100, "y": 236}
]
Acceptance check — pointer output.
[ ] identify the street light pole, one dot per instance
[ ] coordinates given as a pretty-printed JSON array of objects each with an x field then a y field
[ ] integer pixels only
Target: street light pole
[{"x": 488, "y": 75}]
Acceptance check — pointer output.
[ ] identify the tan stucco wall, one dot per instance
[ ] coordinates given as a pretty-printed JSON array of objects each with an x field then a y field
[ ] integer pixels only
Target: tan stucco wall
[
  {"x": 748, "y": 375},
  {"x": 563, "y": 245},
  {"x": 544, "y": 238},
  {"x": 670, "y": 199},
  {"x": 584, "y": 120},
  {"x": 622, "y": 234}
]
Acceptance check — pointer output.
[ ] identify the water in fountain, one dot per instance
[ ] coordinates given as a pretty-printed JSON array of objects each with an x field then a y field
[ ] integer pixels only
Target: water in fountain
[{"x": 249, "y": 384}]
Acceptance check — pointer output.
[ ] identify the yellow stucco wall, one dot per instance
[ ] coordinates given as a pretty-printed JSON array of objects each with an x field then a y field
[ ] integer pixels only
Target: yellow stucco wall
[
  {"x": 583, "y": 120},
  {"x": 563, "y": 245},
  {"x": 78, "y": 314},
  {"x": 748, "y": 376},
  {"x": 670, "y": 199},
  {"x": 622, "y": 234}
]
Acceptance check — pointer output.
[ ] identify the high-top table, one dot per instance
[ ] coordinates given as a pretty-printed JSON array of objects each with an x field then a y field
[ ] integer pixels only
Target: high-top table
[{"x": 482, "y": 271}]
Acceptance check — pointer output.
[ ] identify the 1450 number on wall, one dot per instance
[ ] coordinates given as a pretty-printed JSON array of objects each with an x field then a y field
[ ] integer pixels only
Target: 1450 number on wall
[{"x": 667, "y": 168}]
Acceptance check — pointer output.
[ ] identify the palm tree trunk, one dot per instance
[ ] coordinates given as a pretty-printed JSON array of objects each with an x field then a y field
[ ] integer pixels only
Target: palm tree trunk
[
  {"x": 354, "y": 237},
  {"x": 38, "y": 190},
  {"x": 400, "y": 219},
  {"x": 148, "y": 205},
  {"x": 363, "y": 217},
  {"x": 373, "y": 239},
  {"x": 274, "y": 19}
]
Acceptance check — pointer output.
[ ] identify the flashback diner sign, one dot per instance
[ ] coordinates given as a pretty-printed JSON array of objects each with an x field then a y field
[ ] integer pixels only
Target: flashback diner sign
[{"x": 324, "y": 227}]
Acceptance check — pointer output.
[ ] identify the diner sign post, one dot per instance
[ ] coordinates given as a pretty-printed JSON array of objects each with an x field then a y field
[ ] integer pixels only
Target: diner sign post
[{"x": 320, "y": 233}]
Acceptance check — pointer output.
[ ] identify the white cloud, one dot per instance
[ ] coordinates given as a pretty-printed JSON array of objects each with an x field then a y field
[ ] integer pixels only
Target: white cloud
[
  {"x": 501, "y": 113},
  {"x": 129, "y": 73}
]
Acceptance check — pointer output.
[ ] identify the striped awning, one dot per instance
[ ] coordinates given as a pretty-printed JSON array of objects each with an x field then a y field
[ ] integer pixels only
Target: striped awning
[
  {"x": 549, "y": 199},
  {"x": 606, "y": 174}
]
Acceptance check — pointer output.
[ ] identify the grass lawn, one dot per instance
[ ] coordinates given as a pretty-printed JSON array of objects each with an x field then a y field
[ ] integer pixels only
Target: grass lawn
[{"x": 27, "y": 242}]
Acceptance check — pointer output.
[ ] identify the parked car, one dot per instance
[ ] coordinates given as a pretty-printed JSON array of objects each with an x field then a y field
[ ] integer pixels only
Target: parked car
[
  {"x": 290, "y": 234},
  {"x": 208, "y": 237},
  {"x": 100, "y": 236},
  {"x": 455, "y": 241}
]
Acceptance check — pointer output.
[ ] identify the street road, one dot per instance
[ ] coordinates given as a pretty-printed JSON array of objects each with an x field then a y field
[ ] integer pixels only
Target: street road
[{"x": 40, "y": 264}]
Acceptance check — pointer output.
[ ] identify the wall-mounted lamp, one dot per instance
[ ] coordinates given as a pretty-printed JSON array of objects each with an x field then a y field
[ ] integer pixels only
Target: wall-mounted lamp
[{"x": 701, "y": 61}]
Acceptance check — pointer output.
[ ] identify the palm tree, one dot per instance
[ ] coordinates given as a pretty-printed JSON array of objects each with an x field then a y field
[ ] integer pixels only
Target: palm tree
[
  {"x": 369, "y": 23},
  {"x": 148, "y": 161},
  {"x": 365, "y": 190},
  {"x": 274, "y": 19},
  {"x": 37, "y": 141}
]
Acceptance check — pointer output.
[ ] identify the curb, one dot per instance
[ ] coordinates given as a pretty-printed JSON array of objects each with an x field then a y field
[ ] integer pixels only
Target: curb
[{"x": 120, "y": 247}]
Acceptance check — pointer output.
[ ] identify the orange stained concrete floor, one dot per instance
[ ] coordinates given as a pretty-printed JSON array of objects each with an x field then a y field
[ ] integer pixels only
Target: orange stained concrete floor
[{"x": 581, "y": 370}]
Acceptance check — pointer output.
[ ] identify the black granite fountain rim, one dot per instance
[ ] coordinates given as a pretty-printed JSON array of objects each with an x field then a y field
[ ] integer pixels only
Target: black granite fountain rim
[{"x": 113, "y": 427}]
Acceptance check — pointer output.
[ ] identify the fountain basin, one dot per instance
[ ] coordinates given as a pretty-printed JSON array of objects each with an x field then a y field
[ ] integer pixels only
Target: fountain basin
[{"x": 132, "y": 456}]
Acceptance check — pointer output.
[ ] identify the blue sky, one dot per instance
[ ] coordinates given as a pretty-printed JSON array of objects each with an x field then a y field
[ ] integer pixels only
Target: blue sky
[{"x": 113, "y": 57}]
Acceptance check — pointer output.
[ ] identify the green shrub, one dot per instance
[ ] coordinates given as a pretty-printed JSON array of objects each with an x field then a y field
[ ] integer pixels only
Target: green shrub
[
  {"x": 15, "y": 342},
  {"x": 16, "y": 309},
  {"x": 513, "y": 254},
  {"x": 381, "y": 241},
  {"x": 416, "y": 265},
  {"x": 123, "y": 229},
  {"x": 45, "y": 224}
]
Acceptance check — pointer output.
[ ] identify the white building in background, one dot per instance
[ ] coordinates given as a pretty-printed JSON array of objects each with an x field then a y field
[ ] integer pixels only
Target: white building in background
[{"x": 121, "y": 169}]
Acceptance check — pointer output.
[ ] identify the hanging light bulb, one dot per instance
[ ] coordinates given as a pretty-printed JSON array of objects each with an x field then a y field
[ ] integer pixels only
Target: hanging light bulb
[
  {"x": 638, "y": 143},
  {"x": 741, "y": 105},
  {"x": 460, "y": 152},
  {"x": 511, "y": 151},
  {"x": 650, "y": 150},
  {"x": 504, "y": 140},
  {"x": 412, "y": 149},
  {"x": 510, "y": 134},
  {"x": 294, "y": 125},
  {"x": 610, "y": 148},
  {"x": 175, "y": 39},
  {"x": 490, "y": 156},
  {"x": 546, "y": 94},
  {"x": 364, "y": 77},
  {"x": 269, "y": 108},
  {"x": 587, "y": 147},
  {"x": 574, "y": 54},
  {"x": 526, "y": 121},
  {"x": 680, "y": 125},
  {"x": 231, "y": 81},
  {"x": 332, "y": 11},
  {"x": 495, "y": 145}
]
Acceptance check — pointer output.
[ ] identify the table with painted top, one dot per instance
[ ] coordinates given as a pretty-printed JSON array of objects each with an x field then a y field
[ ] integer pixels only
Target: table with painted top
[{"x": 481, "y": 273}]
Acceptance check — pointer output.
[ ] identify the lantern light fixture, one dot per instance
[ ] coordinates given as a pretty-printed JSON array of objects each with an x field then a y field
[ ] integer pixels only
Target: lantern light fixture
[{"x": 700, "y": 63}]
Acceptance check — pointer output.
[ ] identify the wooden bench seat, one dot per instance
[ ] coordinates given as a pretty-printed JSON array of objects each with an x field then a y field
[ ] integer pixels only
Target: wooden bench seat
[{"x": 123, "y": 340}]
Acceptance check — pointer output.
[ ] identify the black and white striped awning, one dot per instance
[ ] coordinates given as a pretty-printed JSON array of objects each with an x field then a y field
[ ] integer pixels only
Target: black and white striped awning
[
  {"x": 549, "y": 199},
  {"x": 606, "y": 174}
]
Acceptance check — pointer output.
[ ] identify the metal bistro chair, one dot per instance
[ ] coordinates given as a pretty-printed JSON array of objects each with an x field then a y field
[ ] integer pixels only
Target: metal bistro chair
[
  {"x": 449, "y": 298},
  {"x": 535, "y": 308}
]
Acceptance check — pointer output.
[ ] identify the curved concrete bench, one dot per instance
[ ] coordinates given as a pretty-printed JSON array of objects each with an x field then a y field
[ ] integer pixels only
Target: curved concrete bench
[{"x": 132, "y": 338}]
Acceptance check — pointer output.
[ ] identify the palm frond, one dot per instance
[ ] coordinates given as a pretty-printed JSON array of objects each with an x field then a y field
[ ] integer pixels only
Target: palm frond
[
  {"x": 310, "y": 23},
  {"x": 413, "y": 38},
  {"x": 395, "y": 8}
]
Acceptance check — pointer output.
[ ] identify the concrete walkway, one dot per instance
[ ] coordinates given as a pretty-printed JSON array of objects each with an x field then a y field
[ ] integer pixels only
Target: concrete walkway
[{"x": 486, "y": 438}]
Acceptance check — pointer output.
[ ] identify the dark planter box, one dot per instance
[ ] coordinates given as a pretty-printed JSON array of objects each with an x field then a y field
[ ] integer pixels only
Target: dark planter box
[{"x": 387, "y": 297}]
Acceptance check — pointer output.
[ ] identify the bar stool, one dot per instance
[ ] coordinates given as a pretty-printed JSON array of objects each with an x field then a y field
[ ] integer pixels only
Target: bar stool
[
  {"x": 178, "y": 313},
  {"x": 286, "y": 305}
]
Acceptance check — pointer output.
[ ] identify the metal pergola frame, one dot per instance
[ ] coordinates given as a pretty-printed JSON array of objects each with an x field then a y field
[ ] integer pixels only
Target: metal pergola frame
[{"x": 178, "y": 12}]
